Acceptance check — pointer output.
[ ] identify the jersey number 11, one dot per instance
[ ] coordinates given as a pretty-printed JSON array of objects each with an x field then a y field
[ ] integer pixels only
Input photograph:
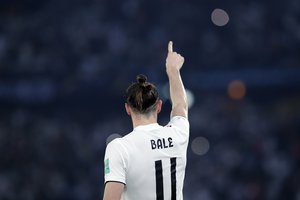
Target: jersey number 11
[{"x": 159, "y": 179}]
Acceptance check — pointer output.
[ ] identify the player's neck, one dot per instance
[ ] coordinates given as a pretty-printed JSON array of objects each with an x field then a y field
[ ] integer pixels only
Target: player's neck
[{"x": 139, "y": 120}]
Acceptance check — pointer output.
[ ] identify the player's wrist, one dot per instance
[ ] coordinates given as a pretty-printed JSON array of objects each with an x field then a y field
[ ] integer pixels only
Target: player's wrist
[{"x": 173, "y": 72}]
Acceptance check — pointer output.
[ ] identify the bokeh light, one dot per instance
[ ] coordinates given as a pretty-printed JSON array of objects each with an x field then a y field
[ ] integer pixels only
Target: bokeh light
[
  {"x": 200, "y": 145},
  {"x": 190, "y": 97},
  {"x": 164, "y": 92},
  {"x": 165, "y": 95},
  {"x": 236, "y": 89},
  {"x": 219, "y": 17}
]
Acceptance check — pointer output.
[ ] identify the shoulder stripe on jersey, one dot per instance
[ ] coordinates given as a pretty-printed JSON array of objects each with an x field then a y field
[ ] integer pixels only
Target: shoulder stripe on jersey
[
  {"x": 159, "y": 180},
  {"x": 173, "y": 178}
]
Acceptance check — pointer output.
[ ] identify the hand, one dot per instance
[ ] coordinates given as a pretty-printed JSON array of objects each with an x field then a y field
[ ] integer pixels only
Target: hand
[{"x": 174, "y": 60}]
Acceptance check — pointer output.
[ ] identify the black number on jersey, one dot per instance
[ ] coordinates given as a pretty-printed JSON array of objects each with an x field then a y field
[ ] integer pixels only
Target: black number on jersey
[{"x": 159, "y": 179}]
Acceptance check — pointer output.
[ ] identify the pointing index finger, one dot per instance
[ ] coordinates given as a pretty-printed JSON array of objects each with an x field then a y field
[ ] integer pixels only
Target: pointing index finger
[{"x": 170, "y": 47}]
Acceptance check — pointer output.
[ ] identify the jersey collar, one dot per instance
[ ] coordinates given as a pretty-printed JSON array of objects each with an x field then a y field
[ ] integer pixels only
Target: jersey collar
[{"x": 147, "y": 127}]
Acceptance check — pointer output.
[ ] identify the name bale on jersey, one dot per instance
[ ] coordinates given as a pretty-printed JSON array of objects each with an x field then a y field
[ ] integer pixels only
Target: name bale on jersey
[{"x": 162, "y": 143}]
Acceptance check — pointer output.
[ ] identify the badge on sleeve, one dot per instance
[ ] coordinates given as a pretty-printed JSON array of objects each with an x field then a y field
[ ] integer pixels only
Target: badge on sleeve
[{"x": 106, "y": 166}]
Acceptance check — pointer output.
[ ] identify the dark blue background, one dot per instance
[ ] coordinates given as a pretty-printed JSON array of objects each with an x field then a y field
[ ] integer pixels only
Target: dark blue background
[{"x": 65, "y": 65}]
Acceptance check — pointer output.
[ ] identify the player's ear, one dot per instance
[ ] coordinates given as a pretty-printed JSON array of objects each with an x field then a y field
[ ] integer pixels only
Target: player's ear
[
  {"x": 158, "y": 106},
  {"x": 127, "y": 108}
]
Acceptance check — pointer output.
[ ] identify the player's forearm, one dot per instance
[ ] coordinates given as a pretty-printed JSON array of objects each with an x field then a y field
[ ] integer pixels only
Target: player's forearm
[
  {"x": 177, "y": 94},
  {"x": 174, "y": 63}
]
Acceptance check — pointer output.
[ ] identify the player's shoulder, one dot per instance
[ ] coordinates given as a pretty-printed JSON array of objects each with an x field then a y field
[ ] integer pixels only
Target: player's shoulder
[
  {"x": 178, "y": 121},
  {"x": 117, "y": 146},
  {"x": 115, "y": 142},
  {"x": 121, "y": 141},
  {"x": 179, "y": 124}
]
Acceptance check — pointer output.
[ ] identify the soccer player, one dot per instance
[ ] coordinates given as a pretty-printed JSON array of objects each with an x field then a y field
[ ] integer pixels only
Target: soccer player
[{"x": 149, "y": 163}]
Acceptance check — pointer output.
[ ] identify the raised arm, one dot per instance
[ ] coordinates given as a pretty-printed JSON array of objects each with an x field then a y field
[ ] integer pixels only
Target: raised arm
[{"x": 174, "y": 63}]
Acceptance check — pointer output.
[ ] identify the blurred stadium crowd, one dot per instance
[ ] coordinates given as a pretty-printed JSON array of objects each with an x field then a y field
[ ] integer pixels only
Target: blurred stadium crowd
[{"x": 64, "y": 67}]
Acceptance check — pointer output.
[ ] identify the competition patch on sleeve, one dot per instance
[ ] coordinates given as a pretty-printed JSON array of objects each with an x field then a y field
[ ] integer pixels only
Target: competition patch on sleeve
[{"x": 106, "y": 166}]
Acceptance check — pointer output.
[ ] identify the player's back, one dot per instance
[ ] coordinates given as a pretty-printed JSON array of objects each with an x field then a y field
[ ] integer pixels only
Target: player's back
[{"x": 154, "y": 159}]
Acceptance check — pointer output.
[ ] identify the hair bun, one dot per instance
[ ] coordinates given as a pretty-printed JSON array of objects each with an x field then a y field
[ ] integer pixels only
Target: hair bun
[{"x": 141, "y": 78}]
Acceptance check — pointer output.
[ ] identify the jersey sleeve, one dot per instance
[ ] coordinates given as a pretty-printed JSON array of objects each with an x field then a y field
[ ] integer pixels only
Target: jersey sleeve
[
  {"x": 180, "y": 123},
  {"x": 114, "y": 163}
]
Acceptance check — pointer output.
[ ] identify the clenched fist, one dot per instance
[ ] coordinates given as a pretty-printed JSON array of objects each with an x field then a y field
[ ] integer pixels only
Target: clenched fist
[{"x": 174, "y": 60}]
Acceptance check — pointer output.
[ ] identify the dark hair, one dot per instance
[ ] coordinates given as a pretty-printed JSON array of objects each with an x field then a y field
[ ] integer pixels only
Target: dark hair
[{"x": 142, "y": 96}]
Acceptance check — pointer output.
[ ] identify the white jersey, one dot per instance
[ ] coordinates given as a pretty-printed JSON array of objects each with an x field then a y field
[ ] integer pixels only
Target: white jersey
[{"x": 150, "y": 161}]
